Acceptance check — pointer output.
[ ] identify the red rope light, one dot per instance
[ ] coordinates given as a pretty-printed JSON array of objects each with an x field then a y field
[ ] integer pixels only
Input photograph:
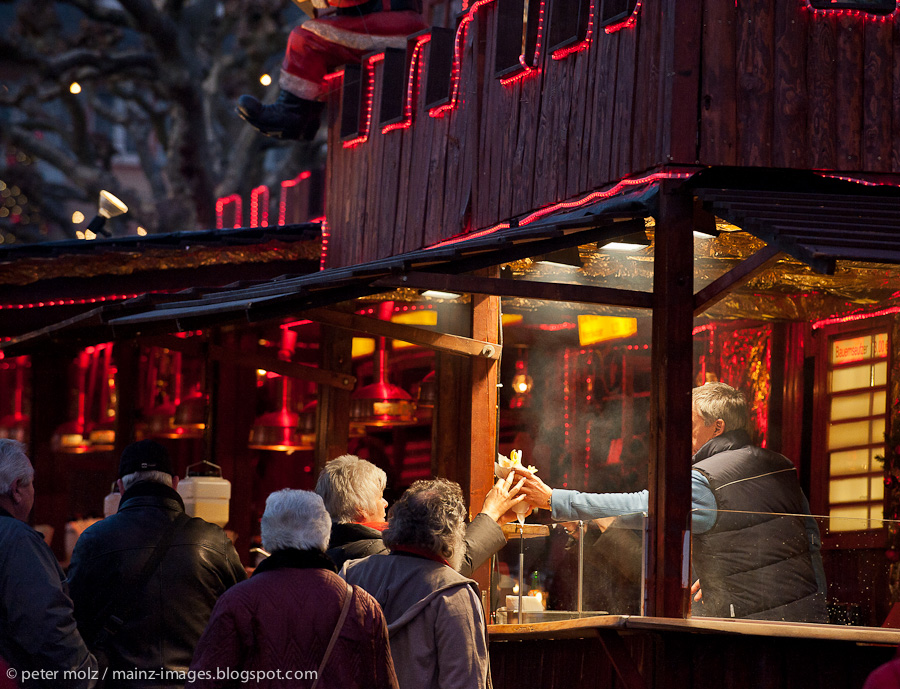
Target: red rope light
[
  {"x": 413, "y": 84},
  {"x": 326, "y": 235},
  {"x": 527, "y": 70},
  {"x": 285, "y": 186},
  {"x": 855, "y": 317},
  {"x": 370, "y": 99},
  {"x": 224, "y": 202},
  {"x": 844, "y": 12},
  {"x": 627, "y": 23},
  {"x": 67, "y": 302},
  {"x": 563, "y": 53},
  {"x": 566, "y": 205},
  {"x": 259, "y": 211}
]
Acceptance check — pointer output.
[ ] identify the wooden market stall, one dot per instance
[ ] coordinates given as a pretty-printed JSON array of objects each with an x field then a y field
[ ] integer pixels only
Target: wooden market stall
[{"x": 537, "y": 131}]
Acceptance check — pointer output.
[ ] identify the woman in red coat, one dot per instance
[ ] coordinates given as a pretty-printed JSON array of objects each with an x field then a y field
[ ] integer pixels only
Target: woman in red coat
[{"x": 273, "y": 629}]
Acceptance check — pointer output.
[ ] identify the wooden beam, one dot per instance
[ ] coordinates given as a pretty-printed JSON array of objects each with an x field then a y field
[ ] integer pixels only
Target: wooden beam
[
  {"x": 484, "y": 422},
  {"x": 526, "y": 289},
  {"x": 342, "y": 381},
  {"x": 442, "y": 342},
  {"x": 333, "y": 409},
  {"x": 670, "y": 405},
  {"x": 742, "y": 273}
]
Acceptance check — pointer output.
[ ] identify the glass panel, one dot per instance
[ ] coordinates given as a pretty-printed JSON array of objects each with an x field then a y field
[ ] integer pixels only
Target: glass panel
[
  {"x": 881, "y": 346},
  {"x": 877, "y": 487},
  {"x": 848, "y": 434},
  {"x": 851, "y": 378},
  {"x": 848, "y": 489},
  {"x": 880, "y": 376},
  {"x": 853, "y": 349},
  {"x": 875, "y": 464},
  {"x": 877, "y": 430},
  {"x": 878, "y": 402},
  {"x": 569, "y": 569},
  {"x": 850, "y": 462},
  {"x": 852, "y": 407},
  {"x": 849, "y": 518}
]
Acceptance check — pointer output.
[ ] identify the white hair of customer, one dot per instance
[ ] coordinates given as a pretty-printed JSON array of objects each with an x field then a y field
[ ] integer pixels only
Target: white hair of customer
[
  {"x": 295, "y": 519},
  {"x": 351, "y": 488},
  {"x": 430, "y": 515},
  {"x": 721, "y": 401},
  {"x": 156, "y": 476},
  {"x": 14, "y": 466}
]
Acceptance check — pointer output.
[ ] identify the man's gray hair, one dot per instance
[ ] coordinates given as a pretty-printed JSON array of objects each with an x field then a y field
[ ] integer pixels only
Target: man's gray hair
[
  {"x": 430, "y": 515},
  {"x": 295, "y": 519},
  {"x": 14, "y": 465},
  {"x": 351, "y": 488},
  {"x": 721, "y": 401},
  {"x": 128, "y": 480}
]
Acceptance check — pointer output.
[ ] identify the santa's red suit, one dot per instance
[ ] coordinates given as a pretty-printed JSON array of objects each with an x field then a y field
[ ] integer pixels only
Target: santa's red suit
[{"x": 356, "y": 27}]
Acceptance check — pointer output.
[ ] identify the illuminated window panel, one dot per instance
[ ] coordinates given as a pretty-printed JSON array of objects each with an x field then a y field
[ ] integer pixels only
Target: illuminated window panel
[
  {"x": 852, "y": 406},
  {"x": 841, "y": 435},
  {"x": 855, "y": 518},
  {"x": 876, "y": 488},
  {"x": 851, "y": 378},
  {"x": 851, "y": 462},
  {"x": 849, "y": 490}
]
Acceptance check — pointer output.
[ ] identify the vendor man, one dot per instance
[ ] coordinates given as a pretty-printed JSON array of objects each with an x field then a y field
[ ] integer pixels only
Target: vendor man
[{"x": 753, "y": 557}]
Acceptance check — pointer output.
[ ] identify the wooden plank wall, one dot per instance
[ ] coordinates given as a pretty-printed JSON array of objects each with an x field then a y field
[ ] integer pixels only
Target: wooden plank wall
[
  {"x": 783, "y": 87},
  {"x": 579, "y": 123},
  {"x": 714, "y": 82}
]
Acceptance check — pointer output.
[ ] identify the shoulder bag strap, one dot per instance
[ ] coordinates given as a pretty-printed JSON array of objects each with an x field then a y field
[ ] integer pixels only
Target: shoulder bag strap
[
  {"x": 115, "y": 613},
  {"x": 335, "y": 634}
]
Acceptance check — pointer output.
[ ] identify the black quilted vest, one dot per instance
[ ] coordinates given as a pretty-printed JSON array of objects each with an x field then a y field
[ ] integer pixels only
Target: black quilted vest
[{"x": 752, "y": 563}]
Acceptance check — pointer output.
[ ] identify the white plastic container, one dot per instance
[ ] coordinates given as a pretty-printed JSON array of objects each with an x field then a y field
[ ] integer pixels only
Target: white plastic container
[{"x": 206, "y": 497}]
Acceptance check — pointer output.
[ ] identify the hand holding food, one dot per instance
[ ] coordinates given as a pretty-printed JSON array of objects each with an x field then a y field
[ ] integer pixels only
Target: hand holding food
[{"x": 503, "y": 467}]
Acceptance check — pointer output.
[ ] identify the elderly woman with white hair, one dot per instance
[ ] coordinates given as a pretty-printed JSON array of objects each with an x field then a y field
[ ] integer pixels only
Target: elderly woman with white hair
[
  {"x": 434, "y": 614},
  {"x": 295, "y": 623}
]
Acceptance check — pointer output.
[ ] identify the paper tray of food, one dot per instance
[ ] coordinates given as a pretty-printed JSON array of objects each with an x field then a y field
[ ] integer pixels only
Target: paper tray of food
[
  {"x": 515, "y": 530},
  {"x": 503, "y": 616}
]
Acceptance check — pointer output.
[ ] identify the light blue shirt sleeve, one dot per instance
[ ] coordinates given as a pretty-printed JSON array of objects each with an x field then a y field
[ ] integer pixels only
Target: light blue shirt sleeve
[{"x": 572, "y": 504}]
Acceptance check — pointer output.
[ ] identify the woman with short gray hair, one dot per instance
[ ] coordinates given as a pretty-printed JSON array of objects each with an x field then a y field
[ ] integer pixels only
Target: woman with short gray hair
[
  {"x": 291, "y": 610},
  {"x": 434, "y": 614}
]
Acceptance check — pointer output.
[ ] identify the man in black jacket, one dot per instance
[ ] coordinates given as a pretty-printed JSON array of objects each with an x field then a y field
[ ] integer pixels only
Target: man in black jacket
[
  {"x": 38, "y": 638},
  {"x": 352, "y": 490},
  {"x": 164, "y": 611}
]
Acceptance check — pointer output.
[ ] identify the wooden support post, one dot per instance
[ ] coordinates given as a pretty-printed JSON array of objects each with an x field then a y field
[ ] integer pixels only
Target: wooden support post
[
  {"x": 232, "y": 390},
  {"x": 670, "y": 403},
  {"x": 485, "y": 375},
  {"x": 333, "y": 410}
]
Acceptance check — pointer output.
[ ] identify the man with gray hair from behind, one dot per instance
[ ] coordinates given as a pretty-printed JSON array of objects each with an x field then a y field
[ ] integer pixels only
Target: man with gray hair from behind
[
  {"x": 295, "y": 615},
  {"x": 353, "y": 492},
  {"x": 38, "y": 638},
  {"x": 434, "y": 614}
]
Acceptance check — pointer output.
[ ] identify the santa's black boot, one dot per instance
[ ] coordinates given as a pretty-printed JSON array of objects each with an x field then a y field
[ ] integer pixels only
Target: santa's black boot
[{"x": 289, "y": 117}]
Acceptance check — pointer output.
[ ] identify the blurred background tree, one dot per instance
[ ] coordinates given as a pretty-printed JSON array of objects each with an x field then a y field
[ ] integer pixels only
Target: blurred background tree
[{"x": 136, "y": 97}]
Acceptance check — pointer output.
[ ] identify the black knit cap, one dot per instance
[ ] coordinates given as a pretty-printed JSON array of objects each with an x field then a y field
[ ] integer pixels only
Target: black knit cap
[{"x": 145, "y": 455}]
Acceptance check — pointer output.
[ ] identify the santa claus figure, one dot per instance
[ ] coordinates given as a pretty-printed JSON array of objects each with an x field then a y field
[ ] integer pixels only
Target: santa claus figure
[{"x": 351, "y": 29}]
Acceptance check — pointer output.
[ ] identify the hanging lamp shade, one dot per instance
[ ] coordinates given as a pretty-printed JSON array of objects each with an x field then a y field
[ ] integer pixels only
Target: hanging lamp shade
[
  {"x": 279, "y": 430},
  {"x": 382, "y": 404},
  {"x": 69, "y": 437},
  {"x": 190, "y": 416},
  {"x": 425, "y": 394},
  {"x": 14, "y": 426},
  {"x": 102, "y": 435}
]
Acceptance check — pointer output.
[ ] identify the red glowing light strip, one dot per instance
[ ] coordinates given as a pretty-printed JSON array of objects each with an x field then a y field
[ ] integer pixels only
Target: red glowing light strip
[
  {"x": 282, "y": 199},
  {"x": 568, "y": 205},
  {"x": 857, "y": 180},
  {"x": 413, "y": 83},
  {"x": 555, "y": 327},
  {"x": 821, "y": 12},
  {"x": 461, "y": 33},
  {"x": 628, "y": 23},
  {"x": 333, "y": 76},
  {"x": 528, "y": 70},
  {"x": 67, "y": 302},
  {"x": 582, "y": 45},
  {"x": 325, "y": 237},
  {"x": 259, "y": 213},
  {"x": 855, "y": 317},
  {"x": 370, "y": 99},
  {"x": 222, "y": 203}
]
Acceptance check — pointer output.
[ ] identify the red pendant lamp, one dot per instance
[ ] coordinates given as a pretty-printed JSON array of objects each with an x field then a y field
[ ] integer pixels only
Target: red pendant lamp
[
  {"x": 280, "y": 430},
  {"x": 382, "y": 404},
  {"x": 15, "y": 425}
]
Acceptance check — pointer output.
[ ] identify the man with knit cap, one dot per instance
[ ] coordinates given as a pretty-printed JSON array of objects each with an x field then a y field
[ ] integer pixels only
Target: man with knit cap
[{"x": 145, "y": 580}]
